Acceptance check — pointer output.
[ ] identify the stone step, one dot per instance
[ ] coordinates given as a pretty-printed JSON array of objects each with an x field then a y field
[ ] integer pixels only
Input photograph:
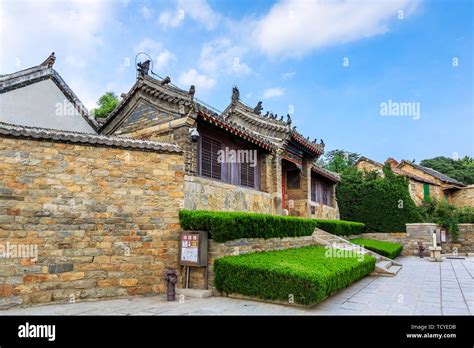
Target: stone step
[{"x": 383, "y": 264}]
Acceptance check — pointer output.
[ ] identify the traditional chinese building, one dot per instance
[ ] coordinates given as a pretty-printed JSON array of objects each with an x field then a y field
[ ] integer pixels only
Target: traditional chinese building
[{"x": 237, "y": 160}]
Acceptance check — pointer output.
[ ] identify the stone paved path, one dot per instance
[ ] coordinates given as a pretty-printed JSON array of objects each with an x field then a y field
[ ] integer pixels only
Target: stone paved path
[{"x": 420, "y": 288}]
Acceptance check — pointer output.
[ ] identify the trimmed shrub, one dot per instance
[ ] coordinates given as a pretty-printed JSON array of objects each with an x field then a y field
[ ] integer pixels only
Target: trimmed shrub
[
  {"x": 306, "y": 273},
  {"x": 341, "y": 227},
  {"x": 387, "y": 249},
  {"x": 224, "y": 226},
  {"x": 382, "y": 204}
]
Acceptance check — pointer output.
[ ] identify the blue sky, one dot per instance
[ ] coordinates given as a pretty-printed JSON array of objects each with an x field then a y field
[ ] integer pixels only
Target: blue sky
[{"x": 287, "y": 53}]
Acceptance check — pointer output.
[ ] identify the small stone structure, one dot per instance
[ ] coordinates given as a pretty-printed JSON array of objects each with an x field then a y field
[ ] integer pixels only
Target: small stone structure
[{"x": 422, "y": 233}]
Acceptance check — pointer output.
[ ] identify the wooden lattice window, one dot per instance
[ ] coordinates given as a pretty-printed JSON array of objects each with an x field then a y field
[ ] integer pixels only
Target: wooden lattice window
[
  {"x": 247, "y": 175},
  {"x": 210, "y": 167}
]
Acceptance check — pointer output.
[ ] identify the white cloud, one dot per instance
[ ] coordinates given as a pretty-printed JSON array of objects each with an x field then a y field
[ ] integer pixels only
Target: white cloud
[
  {"x": 222, "y": 55},
  {"x": 273, "y": 92},
  {"x": 192, "y": 77},
  {"x": 197, "y": 10},
  {"x": 162, "y": 58},
  {"x": 295, "y": 27},
  {"x": 32, "y": 30},
  {"x": 289, "y": 75},
  {"x": 146, "y": 12}
]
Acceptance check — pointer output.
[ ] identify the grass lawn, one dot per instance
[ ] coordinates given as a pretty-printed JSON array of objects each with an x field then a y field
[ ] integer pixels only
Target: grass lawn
[
  {"x": 304, "y": 275},
  {"x": 387, "y": 249}
]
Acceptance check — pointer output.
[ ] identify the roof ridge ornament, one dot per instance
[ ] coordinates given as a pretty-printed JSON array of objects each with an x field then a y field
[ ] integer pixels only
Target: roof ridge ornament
[
  {"x": 144, "y": 67},
  {"x": 192, "y": 90},
  {"x": 49, "y": 62},
  {"x": 258, "y": 109},
  {"x": 288, "y": 119},
  {"x": 235, "y": 94},
  {"x": 165, "y": 81}
]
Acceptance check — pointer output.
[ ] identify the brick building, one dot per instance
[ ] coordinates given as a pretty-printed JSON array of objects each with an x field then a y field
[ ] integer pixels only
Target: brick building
[{"x": 424, "y": 183}]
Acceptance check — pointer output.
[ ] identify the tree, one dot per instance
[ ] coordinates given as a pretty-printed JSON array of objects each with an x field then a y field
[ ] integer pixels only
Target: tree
[
  {"x": 106, "y": 103},
  {"x": 382, "y": 203},
  {"x": 338, "y": 160},
  {"x": 461, "y": 169}
]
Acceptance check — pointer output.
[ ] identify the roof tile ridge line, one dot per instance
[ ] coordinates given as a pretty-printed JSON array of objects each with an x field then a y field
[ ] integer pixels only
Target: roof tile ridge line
[
  {"x": 257, "y": 118},
  {"x": 120, "y": 105},
  {"x": 52, "y": 131},
  {"x": 23, "y": 72},
  {"x": 243, "y": 130},
  {"x": 251, "y": 110},
  {"x": 61, "y": 131},
  {"x": 76, "y": 101},
  {"x": 427, "y": 169}
]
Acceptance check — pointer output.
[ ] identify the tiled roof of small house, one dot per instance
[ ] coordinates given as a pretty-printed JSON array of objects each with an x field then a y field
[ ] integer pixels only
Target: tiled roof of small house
[
  {"x": 16, "y": 131},
  {"x": 397, "y": 171},
  {"x": 326, "y": 173},
  {"x": 42, "y": 72},
  {"x": 432, "y": 172},
  {"x": 277, "y": 131}
]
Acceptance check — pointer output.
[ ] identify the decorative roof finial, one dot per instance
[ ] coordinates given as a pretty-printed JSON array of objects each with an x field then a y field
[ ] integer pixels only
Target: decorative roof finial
[
  {"x": 258, "y": 109},
  {"x": 294, "y": 128},
  {"x": 143, "y": 68},
  {"x": 191, "y": 92},
  {"x": 315, "y": 140},
  {"x": 165, "y": 81},
  {"x": 235, "y": 94},
  {"x": 288, "y": 119},
  {"x": 49, "y": 62},
  {"x": 281, "y": 118},
  {"x": 322, "y": 142},
  {"x": 266, "y": 115}
]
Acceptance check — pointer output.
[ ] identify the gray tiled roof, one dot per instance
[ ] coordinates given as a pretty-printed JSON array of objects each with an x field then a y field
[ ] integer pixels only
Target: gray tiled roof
[
  {"x": 11, "y": 130},
  {"x": 435, "y": 174}
]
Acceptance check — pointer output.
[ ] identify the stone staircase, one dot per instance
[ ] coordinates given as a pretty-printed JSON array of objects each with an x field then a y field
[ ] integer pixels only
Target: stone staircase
[{"x": 383, "y": 266}]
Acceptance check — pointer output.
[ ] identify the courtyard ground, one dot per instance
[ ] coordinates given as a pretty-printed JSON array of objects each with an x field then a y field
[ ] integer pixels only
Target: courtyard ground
[{"x": 420, "y": 288}]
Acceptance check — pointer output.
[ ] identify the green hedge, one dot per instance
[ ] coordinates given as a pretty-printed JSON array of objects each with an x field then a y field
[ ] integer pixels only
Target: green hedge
[
  {"x": 382, "y": 204},
  {"x": 308, "y": 274},
  {"x": 224, "y": 226},
  {"x": 341, "y": 227},
  {"x": 387, "y": 249}
]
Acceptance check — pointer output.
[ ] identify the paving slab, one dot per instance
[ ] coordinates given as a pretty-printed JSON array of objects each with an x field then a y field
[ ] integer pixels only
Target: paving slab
[{"x": 420, "y": 288}]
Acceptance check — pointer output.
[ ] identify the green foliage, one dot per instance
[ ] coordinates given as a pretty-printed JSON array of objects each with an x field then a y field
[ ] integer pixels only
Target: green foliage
[
  {"x": 340, "y": 227},
  {"x": 338, "y": 160},
  {"x": 461, "y": 169},
  {"x": 446, "y": 215},
  {"x": 107, "y": 104},
  {"x": 382, "y": 204},
  {"x": 387, "y": 249},
  {"x": 308, "y": 274},
  {"x": 224, "y": 226}
]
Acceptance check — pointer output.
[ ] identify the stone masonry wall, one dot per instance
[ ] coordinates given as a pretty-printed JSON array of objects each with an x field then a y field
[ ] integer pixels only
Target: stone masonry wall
[
  {"x": 104, "y": 221},
  {"x": 464, "y": 197},
  {"x": 207, "y": 194}
]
